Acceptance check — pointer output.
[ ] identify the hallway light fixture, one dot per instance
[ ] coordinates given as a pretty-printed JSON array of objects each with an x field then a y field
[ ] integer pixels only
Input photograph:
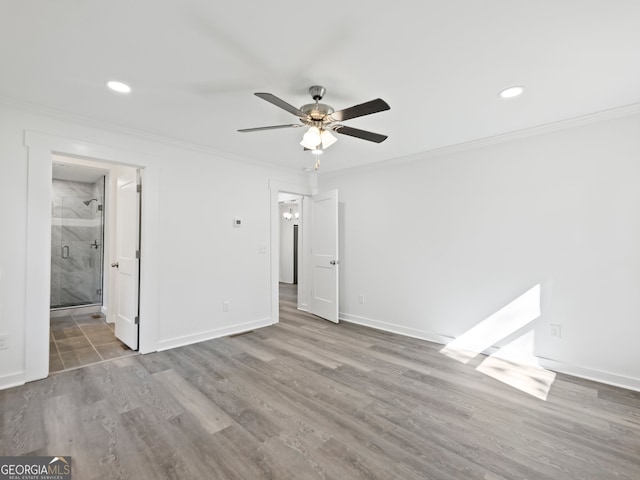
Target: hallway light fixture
[{"x": 290, "y": 215}]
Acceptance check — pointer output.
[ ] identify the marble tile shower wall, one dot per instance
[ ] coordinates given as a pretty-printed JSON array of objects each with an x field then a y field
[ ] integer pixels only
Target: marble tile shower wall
[{"x": 76, "y": 243}]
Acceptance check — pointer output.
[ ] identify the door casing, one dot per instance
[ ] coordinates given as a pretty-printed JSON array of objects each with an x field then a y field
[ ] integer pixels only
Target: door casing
[{"x": 40, "y": 149}]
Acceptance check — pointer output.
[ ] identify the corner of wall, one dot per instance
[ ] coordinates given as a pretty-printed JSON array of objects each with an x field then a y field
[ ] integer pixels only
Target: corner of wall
[{"x": 12, "y": 380}]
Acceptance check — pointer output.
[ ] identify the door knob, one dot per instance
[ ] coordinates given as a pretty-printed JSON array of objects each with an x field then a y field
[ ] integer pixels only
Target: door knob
[
  {"x": 115, "y": 264},
  {"x": 334, "y": 262}
]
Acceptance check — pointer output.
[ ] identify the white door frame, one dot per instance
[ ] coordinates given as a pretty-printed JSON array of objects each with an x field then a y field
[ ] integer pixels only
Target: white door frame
[
  {"x": 275, "y": 188},
  {"x": 41, "y": 148}
]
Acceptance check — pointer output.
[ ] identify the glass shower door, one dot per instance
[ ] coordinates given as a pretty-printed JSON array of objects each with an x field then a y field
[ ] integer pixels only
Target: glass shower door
[{"x": 77, "y": 252}]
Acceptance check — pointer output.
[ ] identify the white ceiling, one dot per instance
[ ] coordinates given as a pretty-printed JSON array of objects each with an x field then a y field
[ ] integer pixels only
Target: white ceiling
[{"x": 194, "y": 65}]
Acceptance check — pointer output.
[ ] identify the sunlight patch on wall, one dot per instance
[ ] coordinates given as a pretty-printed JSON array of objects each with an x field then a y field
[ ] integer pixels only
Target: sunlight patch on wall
[
  {"x": 510, "y": 318},
  {"x": 516, "y": 365}
]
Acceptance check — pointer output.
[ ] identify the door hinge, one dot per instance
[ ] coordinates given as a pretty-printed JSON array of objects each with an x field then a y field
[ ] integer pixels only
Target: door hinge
[
  {"x": 139, "y": 188},
  {"x": 138, "y": 254},
  {"x": 137, "y": 320}
]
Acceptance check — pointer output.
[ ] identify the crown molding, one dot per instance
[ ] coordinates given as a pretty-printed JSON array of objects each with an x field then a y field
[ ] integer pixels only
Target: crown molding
[
  {"x": 595, "y": 117},
  {"x": 54, "y": 113}
]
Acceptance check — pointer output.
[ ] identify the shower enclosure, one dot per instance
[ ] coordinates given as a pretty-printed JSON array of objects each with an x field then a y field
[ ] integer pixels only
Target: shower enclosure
[{"x": 77, "y": 232}]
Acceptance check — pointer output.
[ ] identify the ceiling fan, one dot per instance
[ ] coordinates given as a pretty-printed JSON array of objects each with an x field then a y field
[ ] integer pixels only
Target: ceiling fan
[{"x": 322, "y": 118}]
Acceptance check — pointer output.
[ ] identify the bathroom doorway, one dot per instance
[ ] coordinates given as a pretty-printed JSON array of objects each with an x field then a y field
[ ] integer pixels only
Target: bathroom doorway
[{"x": 82, "y": 330}]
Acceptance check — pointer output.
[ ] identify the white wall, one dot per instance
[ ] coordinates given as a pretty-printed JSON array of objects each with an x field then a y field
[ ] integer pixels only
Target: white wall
[
  {"x": 205, "y": 261},
  {"x": 438, "y": 244}
]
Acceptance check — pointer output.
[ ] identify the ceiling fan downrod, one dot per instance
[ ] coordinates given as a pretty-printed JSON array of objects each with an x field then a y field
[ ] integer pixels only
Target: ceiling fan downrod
[{"x": 317, "y": 92}]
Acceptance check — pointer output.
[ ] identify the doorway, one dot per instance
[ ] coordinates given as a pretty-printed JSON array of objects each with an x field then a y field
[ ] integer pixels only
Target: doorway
[
  {"x": 84, "y": 290},
  {"x": 40, "y": 148},
  {"x": 290, "y": 221},
  {"x": 318, "y": 291}
]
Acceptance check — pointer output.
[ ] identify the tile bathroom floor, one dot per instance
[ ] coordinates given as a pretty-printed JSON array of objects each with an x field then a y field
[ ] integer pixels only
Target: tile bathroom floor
[{"x": 82, "y": 339}]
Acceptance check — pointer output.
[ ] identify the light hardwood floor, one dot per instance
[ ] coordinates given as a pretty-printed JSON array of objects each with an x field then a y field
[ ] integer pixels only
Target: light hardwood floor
[{"x": 309, "y": 399}]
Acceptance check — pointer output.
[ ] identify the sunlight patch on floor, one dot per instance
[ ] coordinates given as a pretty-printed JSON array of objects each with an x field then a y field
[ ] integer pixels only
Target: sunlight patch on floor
[
  {"x": 517, "y": 366},
  {"x": 514, "y": 363},
  {"x": 510, "y": 318}
]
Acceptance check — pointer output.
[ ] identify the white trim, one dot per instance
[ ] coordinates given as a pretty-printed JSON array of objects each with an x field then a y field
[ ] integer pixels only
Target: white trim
[
  {"x": 393, "y": 328},
  {"x": 150, "y": 261},
  {"x": 276, "y": 187},
  {"x": 140, "y": 134},
  {"x": 553, "y": 365},
  {"x": 211, "y": 334},
  {"x": 41, "y": 147},
  {"x": 12, "y": 380},
  {"x": 602, "y": 116},
  {"x": 38, "y": 271},
  {"x": 590, "y": 374}
]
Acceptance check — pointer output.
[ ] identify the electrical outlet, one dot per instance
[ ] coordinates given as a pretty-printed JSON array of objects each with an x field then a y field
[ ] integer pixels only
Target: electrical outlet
[
  {"x": 4, "y": 341},
  {"x": 555, "y": 331},
  {"x": 225, "y": 306},
  {"x": 361, "y": 299}
]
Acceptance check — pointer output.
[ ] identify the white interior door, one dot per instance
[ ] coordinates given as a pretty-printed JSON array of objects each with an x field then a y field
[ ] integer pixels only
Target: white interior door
[
  {"x": 324, "y": 255},
  {"x": 127, "y": 263}
]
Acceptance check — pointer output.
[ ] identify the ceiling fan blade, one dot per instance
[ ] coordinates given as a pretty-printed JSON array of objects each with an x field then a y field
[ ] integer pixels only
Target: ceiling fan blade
[
  {"x": 278, "y": 102},
  {"x": 273, "y": 127},
  {"x": 356, "y": 132},
  {"x": 374, "y": 106}
]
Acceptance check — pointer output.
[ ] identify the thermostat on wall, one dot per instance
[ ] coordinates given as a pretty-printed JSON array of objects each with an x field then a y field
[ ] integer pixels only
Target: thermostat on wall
[{"x": 237, "y": 222}]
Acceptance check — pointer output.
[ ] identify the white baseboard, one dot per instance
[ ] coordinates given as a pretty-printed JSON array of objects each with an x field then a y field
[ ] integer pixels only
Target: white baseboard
[
  {"x": 211, "y": 334},
  {"x": 554, "y": 365},
  {"x": 12, "y": 380},
  {"x": 105, "y": 311},
  {"x": 390, "y": 327},
  {"x": 590, "y": 374}
]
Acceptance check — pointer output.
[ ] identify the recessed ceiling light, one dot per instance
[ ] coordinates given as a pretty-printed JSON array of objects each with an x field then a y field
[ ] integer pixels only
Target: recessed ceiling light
[
  {"x": 511, "y": 92},
  {"x": 118, "y": 86}
]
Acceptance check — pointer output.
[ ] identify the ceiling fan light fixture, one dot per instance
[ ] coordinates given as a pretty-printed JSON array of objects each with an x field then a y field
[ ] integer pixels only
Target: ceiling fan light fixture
[
  {"x": 327, "y": 138},
  {"x": 311, "y": 138},
  {"x": 317, "y": 150}
]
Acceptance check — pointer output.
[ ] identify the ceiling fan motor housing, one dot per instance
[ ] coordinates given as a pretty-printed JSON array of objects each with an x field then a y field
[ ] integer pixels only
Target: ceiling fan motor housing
[{"x": 317, "y": 111}]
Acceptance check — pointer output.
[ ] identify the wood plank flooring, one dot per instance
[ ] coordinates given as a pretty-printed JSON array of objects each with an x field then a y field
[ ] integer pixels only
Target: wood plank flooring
[{"x": 307, "y": 399}]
